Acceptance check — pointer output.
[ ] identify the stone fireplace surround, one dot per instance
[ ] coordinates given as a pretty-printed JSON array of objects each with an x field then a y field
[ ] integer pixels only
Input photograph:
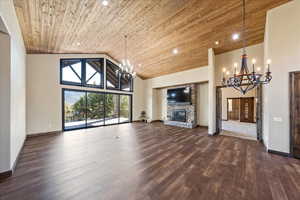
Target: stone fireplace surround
[{"x": 190, "y": 110}]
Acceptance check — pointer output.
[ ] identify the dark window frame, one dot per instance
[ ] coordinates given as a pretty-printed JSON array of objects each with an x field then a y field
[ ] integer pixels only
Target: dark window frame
[
  {"x": 119, "y": 79},
  {"x": 83, "y": 73},
  {"x": 87, "y": 91}
]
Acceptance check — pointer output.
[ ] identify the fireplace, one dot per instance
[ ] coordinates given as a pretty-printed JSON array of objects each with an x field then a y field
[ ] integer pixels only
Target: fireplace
[
  {"x": 183, "y": 115},
  {"x": 179, "y": 115}
]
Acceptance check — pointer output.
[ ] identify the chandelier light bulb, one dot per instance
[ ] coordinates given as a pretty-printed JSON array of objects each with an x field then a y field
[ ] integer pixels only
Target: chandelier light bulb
[
  {"x": 105, "y": 2},
  {"x": 235, "y": 65}
]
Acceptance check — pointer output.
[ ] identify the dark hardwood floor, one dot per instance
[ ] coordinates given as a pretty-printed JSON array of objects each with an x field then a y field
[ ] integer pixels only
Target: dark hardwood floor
[{"x": 149, "y": 162}]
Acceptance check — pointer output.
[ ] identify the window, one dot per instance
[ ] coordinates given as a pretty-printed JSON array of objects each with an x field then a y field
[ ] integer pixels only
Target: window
[
  {"x": 233, "y": 109},
  {"x": 126, "y": 83},
  {"x": 85, "y": 109},
  {"x": 71, "y": 72},
  {"x": 94, "y": 73},
  {"x": 241, "y": 109},
  {"x": 247, "y": 110},
  {"x": 112, "y": 76},
  {"x": 82, "y": 72}
]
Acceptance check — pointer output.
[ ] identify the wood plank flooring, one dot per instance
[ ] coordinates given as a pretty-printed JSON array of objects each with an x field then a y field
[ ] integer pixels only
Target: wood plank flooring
[{"x": 149, "y": 162}]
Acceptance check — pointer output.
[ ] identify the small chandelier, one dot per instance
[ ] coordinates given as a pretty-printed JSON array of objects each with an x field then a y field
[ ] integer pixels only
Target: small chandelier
[
  {"x": 244, "y": 80},
  {"x": 126, "y": 69}
]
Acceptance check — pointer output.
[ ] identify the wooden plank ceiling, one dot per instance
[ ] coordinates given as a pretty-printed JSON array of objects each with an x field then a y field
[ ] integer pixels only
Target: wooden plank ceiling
[{"x": 154, "y": 28}]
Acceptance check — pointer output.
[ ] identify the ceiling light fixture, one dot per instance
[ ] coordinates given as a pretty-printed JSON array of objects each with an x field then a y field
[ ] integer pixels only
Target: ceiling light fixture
[
  {"x": 105, "y": 2},
  {"x": 235, "y": 36},
  {"x": 126, "y": 69},
  {"x": 175, "y": 51},
  {"x": 217, "y": 42},
  {"x": 244, "y": 80},
  {"x": 78, "y": 43}
]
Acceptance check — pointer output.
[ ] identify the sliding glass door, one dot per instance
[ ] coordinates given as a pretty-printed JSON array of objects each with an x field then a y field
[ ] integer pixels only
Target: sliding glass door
[
  {"x": 74, "y": 109},
  {"x": 95, "y": 109},
  {"x": 125, "y": 108},
  {"x": 112, "y": 109},
  {"x": 85, "y": 109}
]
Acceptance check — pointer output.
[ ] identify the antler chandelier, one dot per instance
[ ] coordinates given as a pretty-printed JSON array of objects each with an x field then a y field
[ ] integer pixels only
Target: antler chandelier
[
  {"x": 244, "y": 80},
  {"x": 126, "y": 69}
]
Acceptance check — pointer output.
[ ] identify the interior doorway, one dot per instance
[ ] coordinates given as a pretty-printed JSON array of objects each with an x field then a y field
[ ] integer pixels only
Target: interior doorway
[
  {"x": 295, "y": 114},
  {"x": 239, "y": 115}
]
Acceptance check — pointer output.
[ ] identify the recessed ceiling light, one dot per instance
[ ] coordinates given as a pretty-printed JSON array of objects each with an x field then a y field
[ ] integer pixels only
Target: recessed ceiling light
[
  {"x": 217, "y": 42},
  {"x": 105, "y": 2},
  {"x": 235, "y": 36},
  {"x": 175, "y": 51}
]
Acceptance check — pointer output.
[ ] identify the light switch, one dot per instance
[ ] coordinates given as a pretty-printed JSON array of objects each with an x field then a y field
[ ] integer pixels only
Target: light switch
[{"x": 277, "y": 119}]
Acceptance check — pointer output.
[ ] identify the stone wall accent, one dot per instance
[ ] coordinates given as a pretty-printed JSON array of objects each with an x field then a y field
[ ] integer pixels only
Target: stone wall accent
[{"x": 191, "y": 109}]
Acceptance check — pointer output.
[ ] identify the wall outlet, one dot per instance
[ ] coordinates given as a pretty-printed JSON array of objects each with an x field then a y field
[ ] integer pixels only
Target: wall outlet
[{"x": 277, "y": 119}]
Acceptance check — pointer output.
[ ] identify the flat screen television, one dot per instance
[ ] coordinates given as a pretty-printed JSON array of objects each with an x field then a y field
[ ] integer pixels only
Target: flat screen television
[{"x": 179, "y": 95}]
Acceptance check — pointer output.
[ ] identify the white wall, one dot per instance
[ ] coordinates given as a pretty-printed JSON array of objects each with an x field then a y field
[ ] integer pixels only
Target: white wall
[
  {"x": 202, "y": 104},
  {"x": 17, "y": 80},
  {"x": 44, "y": 92},
  {"x": 162, "y": 104},
  {"x": 282, "y": 45},
  {"x": 211, "y": 92},
  {"x": 185, "y": 77},
  {"x": 198, "y": 75},
  {"x": 4, "y": 103}
]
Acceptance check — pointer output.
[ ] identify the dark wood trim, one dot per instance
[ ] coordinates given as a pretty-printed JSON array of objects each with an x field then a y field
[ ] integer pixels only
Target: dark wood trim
[
  {"x": 4, "y": 33},
  {"x": 291, "y": 95},
  {"x": 158, "y": 120},
  {"x": 279, "y": 153},
  {"x": 292, "y": 109},
  {"x": 45, "y": 133},
  {"x": 5, "y": 175},
  {"x": 202, "y": 126}
]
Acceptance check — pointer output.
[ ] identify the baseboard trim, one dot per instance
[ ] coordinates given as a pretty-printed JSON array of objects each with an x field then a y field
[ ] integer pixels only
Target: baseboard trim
[
  {"x": 7, "y": 174},
  {"x": 156, "y": 121},
  {"x": 43, "y": 134},
  {"x": 279, "y": 153}
]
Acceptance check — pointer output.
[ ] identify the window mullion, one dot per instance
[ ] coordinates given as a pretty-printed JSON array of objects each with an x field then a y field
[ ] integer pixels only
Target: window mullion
[
  {"x": 83, "y": 71},
  {"x": 91, "y": 77}
]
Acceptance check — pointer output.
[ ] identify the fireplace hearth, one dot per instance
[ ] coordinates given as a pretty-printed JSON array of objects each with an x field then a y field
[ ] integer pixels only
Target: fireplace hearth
[{"x": 179, "y": 115}]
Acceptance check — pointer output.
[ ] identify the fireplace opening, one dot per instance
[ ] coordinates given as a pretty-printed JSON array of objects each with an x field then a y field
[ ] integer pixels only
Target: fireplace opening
[{"x": 179, "y": 115}]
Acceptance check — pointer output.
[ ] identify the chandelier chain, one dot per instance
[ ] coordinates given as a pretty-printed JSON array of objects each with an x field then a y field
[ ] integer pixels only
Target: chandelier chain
[{"x": 244, "y": 27}]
